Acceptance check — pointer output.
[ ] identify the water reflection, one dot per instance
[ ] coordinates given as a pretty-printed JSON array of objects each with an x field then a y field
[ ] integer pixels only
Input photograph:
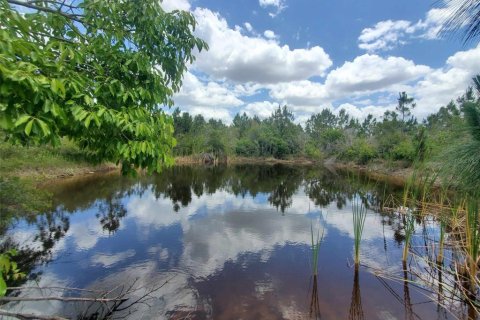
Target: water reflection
[
  {"x": 234, "y": 240},
  {"x": 315, "y": 312},
  {"x": 356, "y": 310}
]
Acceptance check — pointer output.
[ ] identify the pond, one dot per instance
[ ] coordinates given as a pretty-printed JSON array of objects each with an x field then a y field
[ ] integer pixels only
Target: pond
[{"x": 226, "y": 243}]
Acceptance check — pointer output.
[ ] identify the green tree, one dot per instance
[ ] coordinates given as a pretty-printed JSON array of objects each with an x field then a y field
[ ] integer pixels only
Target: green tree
[
  {"x": 405, "y": 104},
  {"x": 96, "y": 72},
  {"x": 242, "y": 123}
]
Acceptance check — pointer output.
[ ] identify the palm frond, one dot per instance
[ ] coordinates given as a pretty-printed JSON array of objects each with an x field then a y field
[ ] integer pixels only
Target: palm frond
[
  {"x": 464, "y": 16},
  {"x": 476, "y": 84},
  {"x": 472, "y": 116}
]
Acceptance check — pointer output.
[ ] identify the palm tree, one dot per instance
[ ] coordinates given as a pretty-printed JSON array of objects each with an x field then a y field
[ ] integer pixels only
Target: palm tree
[{"x": 464, "y": 15}]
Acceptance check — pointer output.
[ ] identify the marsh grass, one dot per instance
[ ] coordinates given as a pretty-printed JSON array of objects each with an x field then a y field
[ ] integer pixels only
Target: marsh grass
[{"x": 359, "y": 215}]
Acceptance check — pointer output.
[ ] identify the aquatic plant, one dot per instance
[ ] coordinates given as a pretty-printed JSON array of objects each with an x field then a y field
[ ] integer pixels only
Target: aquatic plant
[
  {"x": 359, "y": 214},
  {"x": 472, "y": 243},
  {"x": 316, "y": 242},
  {"x": 409, "y": 228}
]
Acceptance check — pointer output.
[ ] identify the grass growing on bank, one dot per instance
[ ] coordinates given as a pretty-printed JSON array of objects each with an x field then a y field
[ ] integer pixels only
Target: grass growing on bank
[
  {"x": 23, "y": 169},
  {"x": 41, "y": 163}
]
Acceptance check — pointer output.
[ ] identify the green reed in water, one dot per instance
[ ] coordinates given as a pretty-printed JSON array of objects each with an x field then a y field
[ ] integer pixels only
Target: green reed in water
[
  {"x": 315, "y": 246},
  {"x": 409, "y": 227},
  {"x": 472, "y": 241},
  {"x": 359, "y": 215}
]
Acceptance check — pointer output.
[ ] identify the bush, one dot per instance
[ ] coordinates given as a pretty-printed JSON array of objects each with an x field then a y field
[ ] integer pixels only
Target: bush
[
  {"x": 405, "y": 150},
  {"x": 361, "y": 152},
  {"x": 312, "y": 151},
  {"x": 280, "y": 149},
  {"x": 246, "y": 148}
]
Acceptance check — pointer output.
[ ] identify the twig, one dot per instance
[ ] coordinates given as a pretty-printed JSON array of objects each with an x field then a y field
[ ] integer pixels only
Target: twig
[
  {"x": 74, "y": 17},
  {"x": 64, "y": 299},
  {"x": 52, "y": 288},
  {"x": 28, "y": 316}
]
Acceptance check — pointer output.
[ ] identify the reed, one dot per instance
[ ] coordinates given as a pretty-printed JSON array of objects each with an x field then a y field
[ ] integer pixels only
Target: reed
[
  {"x": 316, "y": 242},
  {"x": 443, "y": 222},
  {"x": 472, "y": 242},
  {"x": 359, "y": 215},
  {"x": 409, "y": 227}
]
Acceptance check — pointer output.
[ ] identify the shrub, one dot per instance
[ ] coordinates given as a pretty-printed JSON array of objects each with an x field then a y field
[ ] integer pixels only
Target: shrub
[
  {"x": 312, "y": 151},
  {"x": 405, "y": 150},
  {"x": 360, "y": 151},
  {"x": 246, "y": 148}
]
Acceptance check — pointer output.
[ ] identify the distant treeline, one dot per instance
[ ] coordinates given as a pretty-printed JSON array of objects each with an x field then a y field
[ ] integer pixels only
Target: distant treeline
[{"x": 397, "y": 136}]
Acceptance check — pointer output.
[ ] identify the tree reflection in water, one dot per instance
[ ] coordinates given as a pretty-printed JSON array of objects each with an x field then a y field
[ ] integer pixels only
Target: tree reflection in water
[{"x": 278, "y": 183}]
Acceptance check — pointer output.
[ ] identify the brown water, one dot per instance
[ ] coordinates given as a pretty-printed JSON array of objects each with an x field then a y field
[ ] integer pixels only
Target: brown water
[{"x": 233, "y": 243}]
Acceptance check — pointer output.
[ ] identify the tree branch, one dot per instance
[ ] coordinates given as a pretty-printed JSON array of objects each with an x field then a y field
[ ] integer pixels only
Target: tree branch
[
  {"x": 74, "y": 17},
  {"x": 28, "y": 316},
  {"x": 64, "y": 299}
]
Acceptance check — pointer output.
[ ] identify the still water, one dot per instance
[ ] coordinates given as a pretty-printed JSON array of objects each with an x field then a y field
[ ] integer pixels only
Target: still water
[{"x": 225, "y": 243}]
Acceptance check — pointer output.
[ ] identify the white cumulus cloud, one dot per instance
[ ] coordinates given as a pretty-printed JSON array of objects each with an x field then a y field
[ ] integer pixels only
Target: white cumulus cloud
[
  {"x": 269, "y": 34},
  {"x": 369, "y": 73},
  {"x": 386, "y": 35},
  {"x": 278, "y": 5},
  {"x": 240, "y": 58},
  {"x": 170, "y": 5}
]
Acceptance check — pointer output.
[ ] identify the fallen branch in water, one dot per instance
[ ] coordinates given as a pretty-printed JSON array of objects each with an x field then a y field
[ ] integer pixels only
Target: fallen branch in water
[
  {"x": 28, "y": 316},
  {"x": 64, "y": 299},
  {"x": 104, "y": 303}
]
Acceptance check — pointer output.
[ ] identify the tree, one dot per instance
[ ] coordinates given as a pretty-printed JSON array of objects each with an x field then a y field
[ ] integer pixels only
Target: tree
[
  {"x": 405, "y": 104},
  {"x": 242, "y": 123},
  {"x": 96, "y": 72}
]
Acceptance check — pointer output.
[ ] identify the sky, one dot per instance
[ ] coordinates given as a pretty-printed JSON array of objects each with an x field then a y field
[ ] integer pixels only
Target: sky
[{"x": 316, "y": 54}]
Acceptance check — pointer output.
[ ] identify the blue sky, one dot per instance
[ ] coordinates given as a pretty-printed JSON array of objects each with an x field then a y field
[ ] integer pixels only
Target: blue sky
[{"x": 316, "y": 54}]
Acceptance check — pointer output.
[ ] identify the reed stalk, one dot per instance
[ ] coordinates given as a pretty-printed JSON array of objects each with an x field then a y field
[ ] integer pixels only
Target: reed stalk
[
  {"x": 359, "y": 215},
  {"x": 409, "y": 227},
  {"x": 315, "y": 247},
  {"x": 472, "y": 242}
]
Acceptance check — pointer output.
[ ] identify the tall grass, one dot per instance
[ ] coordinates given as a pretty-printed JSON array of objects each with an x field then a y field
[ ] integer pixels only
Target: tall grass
[{"x": 359, "y": 215}]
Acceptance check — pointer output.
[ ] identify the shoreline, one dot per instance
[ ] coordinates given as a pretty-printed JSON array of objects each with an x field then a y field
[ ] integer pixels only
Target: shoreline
[{"x": 376, "y": 170}]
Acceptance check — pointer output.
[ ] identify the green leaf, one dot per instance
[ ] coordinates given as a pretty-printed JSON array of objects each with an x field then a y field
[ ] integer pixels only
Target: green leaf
[
  {"x": 88, "y": 120},
  {"x": 3, "y": 286},
  {"x": 58, "y": 87},
  {"x": 22, "y": 120},
  {"x": 28, "y": 127},
  {"x": 45, "y": 129}
]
